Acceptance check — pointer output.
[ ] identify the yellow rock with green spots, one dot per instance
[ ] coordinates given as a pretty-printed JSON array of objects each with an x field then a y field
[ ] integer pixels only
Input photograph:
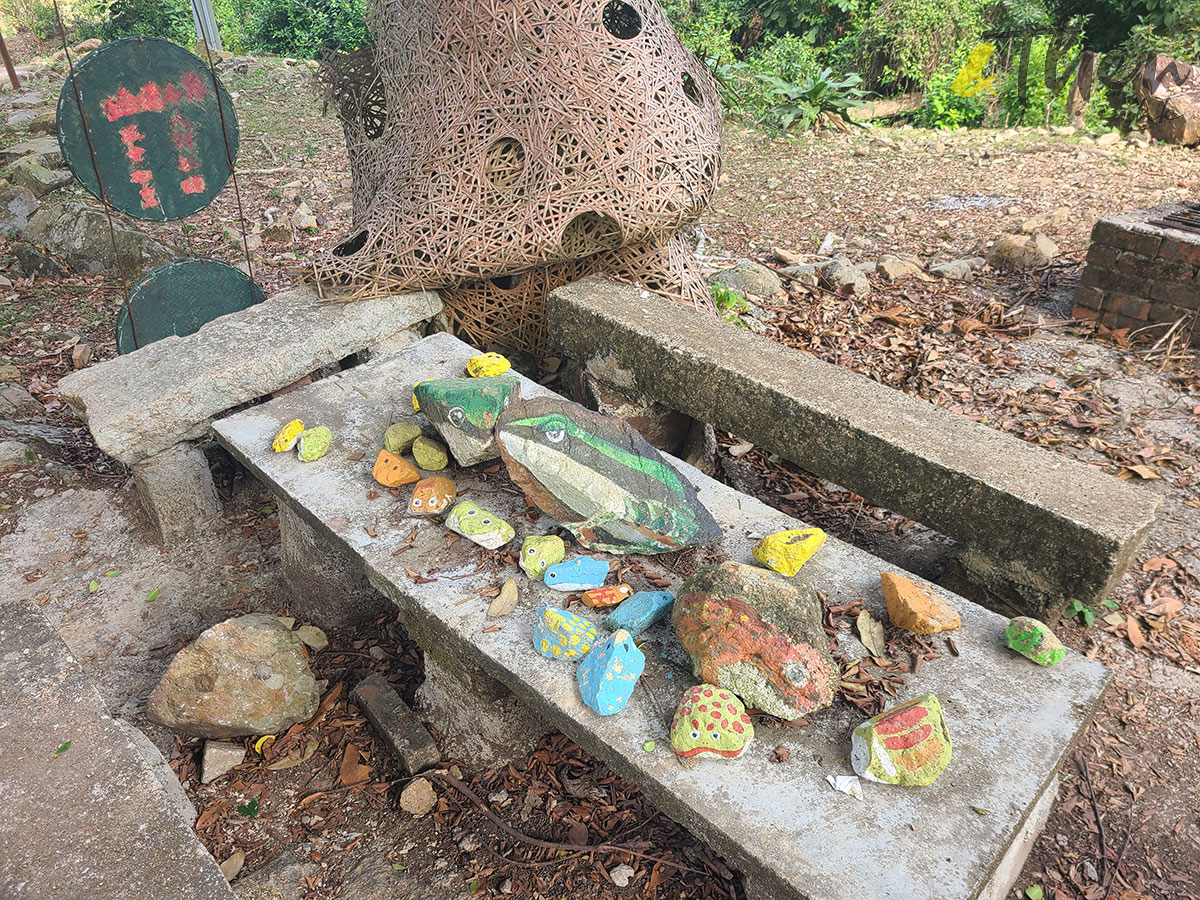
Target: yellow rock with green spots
[
  {"x": 562, "y": 635},
  {"x": 787, "y": 551},
  {"x": 286, "y": 437}
]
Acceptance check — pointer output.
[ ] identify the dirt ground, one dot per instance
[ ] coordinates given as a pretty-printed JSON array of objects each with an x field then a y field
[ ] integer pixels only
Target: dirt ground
[{"x": 997, "y": 350}]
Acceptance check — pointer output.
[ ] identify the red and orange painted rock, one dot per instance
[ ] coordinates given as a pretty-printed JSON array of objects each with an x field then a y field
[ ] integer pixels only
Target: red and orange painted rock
[
  {"x": 391, "y": 470},
  {"x": 916, "y": 608},
  {"x": 710, "y": 721},
  {"x": 609, "y": 595},
  {"x": 908, "y": 744},
  {"x": 432, "y": 496}
]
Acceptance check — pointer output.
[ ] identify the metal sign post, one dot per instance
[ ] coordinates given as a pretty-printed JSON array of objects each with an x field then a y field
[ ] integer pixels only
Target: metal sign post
[{"x": 205, "y": 21}]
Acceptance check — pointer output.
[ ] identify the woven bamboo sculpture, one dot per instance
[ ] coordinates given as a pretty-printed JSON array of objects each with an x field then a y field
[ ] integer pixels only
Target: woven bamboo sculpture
[{"x": 491, "y": 138}]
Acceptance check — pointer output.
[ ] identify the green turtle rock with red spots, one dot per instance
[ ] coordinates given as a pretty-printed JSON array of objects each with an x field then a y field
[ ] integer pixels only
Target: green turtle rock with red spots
[{"x": 710, "y": 721}]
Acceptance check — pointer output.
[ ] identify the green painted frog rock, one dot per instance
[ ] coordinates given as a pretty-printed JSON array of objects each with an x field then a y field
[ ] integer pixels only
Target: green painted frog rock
[
  {"x": 314, "y": 443},
  {"x": 465, "y": 411},
  {"x": 710, "y": 721},
  {"x": 539, "y": 552},
  {"x": 477, "y": 524},
  {"x": 600, "y": 479},
  {"x": 1035, "y": 640},
  {"x": 908, "y": 744}
]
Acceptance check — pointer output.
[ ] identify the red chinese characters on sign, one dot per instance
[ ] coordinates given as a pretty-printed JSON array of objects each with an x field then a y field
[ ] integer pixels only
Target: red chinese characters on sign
[{"x": 153, "y": 98}]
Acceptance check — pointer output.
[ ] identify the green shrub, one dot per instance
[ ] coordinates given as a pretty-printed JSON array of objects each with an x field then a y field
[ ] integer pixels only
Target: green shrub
[
  {"x": 943, "y": 108},
  {"x": 1175, "y": 32},
  {"x": 36, "y": 15},
  {"x": 1041, "y": 107},
  {"x": 170, "y": 19},
  {"x": 804, "y": 102},
  {"x": 904, "y": 42},
  {"x": 304, "y": 28}
]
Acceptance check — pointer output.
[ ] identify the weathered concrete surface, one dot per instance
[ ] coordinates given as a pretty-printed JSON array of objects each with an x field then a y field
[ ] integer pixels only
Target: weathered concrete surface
[
  {"x": 1039, "y": 529},
  {"x": 92, "y": 823},
  {"x": 177, "y": 492},
  {"x": 782, "y": 825},
  {"x": 396, "y": 725},
  {"x": 146, "y": 401}
]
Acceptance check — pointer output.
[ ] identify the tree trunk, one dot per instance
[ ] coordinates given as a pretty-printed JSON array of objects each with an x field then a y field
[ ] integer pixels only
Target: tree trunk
[
  {"x": 1081, "y": 88},
  {"x": 1023, "y": 74}
]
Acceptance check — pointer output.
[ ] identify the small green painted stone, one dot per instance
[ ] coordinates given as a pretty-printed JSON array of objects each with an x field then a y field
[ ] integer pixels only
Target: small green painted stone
[
  {"x": 399, "y": 437},
  {"x": 539, "y": 552},
  {"x": 314, "y": 443},
  {"x": 429, "y": 454},
  {"x": 1034, "y": 640}
]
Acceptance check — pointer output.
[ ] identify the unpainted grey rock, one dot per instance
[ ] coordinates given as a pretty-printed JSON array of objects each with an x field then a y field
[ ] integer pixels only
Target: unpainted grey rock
[
  {"x": 1019, "y": 251},
  {"x": 279, "y": 879},
  {"x": 894, "y": 268},
  {"x": 246, "y": 675},
  {"x": 45, "y": 150},
  {"x": 20, "y": 116},
  {"x": 44, "y": 122},
  {"x": 220, "y": 757},
  {"x": 32, "y": 261},
  {"x": 958, "y": 269},
  {"x": 17, "y": 205},
  {"x": 803, "y": 274},
  {"x": 1047, "y": 221},
  {"x": 15, "y": 400},
  {"x": 748, "y": 278},
  {"x": 839, "y": 274},
  {"x": 14, "y": 453},
  {"x": 29, "y": 173},
  {"x": 77, "y": 233}
]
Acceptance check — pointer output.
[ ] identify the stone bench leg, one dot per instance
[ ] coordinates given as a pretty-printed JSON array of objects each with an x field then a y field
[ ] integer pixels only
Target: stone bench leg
[
  {"x": 324, "y": 584},
  {"x": 177, "y": 492},
  {"x": 479, "y": 720}
]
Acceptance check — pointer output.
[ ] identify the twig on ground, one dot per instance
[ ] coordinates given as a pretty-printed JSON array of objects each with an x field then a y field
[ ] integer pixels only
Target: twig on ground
[{"x": 1087, "y": 777}]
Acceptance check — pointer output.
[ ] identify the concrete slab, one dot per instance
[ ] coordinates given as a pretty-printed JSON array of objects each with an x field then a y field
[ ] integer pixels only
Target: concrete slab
[
  {"x": 1037, "y": 528},
  {"x": 91, "y": 822},
  {"x": 781, "y": 824}
]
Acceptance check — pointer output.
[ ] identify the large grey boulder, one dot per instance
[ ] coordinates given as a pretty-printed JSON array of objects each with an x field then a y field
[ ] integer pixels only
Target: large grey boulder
[
  {"x": 243, "y": 676},
  {"x": 44, "y": 149},
  {"x": 1170, "y": 90},
  {"x": 27, "y": 172},
  {"x": 17, "y": 204},
  {"x": 748, "y": 278},
  {"x": 78, "y": 234}
]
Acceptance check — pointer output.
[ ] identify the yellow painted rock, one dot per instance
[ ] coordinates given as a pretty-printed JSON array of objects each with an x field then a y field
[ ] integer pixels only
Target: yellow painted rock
[
  {"x": 287, "y": 436},
  {"x": 487, "y": 365},
  {"x": 915, "y": 608},
  {"x": 391, "y": 470},
  {"x": 787, "y": 551}
]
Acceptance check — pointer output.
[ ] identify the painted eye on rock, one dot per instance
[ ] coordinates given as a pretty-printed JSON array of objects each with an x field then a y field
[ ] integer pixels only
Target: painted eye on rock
[
  {"x": 472, "y": 512},
  {"x": 716, "y": 735},
  {"x": 532, "y": 551},
  {"x": 486, "y": 522},
  {"x": 556, "y": 435},
  {"x": 457, "y": 416},
  {"x": 416, "y": 501},
  {"x": 695, "y": 735}
]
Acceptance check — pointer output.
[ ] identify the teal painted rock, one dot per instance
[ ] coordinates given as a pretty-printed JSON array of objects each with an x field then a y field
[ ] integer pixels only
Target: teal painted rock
[
  {"x": 477, "y": 524},
  {"x": 640, "y": 611},
  {"x": 539, "y": 552},
  {"x": 710, "y": 721},
  {"x": 559, "y": 634},
  {"x": 609, "y": 672},
  {"x": 1035, "y": 640},
  {"x": 579, "y": 574},
  {"x": 908, "y": 744},
  {"x": 399, "y": 436},
  {"x": 465, "y": 411},
  {"x": 314, "y": 443},
  {"x": 600, "y": 479}
]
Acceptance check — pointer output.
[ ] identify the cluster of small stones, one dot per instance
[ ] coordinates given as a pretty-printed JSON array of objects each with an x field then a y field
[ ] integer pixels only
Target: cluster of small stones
[{"x": 1140, "y": 275}]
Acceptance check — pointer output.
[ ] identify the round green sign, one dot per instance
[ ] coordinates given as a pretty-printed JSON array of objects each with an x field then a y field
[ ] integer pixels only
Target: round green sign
[
  {"x": 181, "y": 296},
  {"x": 153, "y": 128}
]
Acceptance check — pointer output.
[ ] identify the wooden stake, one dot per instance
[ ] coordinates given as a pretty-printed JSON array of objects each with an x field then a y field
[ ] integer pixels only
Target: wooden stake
[
  {"x": 12, "y": 73},
  {"x": 1081, "y": 88}
]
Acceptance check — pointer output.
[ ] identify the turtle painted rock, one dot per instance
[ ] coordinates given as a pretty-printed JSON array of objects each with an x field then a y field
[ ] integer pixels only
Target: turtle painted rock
[
  {"x": 399, "y": 437},
  {"x": 432, "y": 496},
  {"x": 1034, "y": 640},
  {"x": 916, "y": 608},
  {"x": 559, "y": 634},
  {"x": 285, "y": 439},
  {"x": 487, "y": 365},
  {"x": 759, "y": 635},
  {"x": 477, "y": 524},
  {"x": 465, "y": 411},
  {"x": 600, "y": 479},
  {"x": 787, "y": 551},
  {"x": 314, "y": 443},
  {"x": 710, "y": 721},
  {"x": 640, "y": 611},
  {"x": 609, "y": 672},
  {"x": 908, "y": 744},
  {"x": 579, "y": 574},
  {"x": 391, "y": 470},
  {"x": 539, "y": 552},
  {"x": 609, "y": 595}
]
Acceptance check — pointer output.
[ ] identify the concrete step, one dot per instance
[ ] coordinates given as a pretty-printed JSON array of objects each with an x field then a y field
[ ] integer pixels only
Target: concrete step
[{"x": 86, "y": 817}]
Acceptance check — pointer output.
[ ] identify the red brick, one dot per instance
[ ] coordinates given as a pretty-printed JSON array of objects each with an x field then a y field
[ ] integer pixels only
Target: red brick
[
  {"x": 1186, "y": 296},
  {"x": 1163, "y": 313},
  {"x": 1091, "y": 297},
  {"x": 1083, "y": 312},
  {"x": 1129, "y": 307},
  {"x": 1101, "y": 255},
  {"x": 1123, "y": 237},
  {"x": 1179, "y": 251}
]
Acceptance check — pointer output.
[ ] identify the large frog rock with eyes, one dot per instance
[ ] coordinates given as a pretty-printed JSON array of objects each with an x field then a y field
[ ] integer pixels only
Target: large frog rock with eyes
[
  {"x": 758, "y": 635},
  {"x": 600, "y": 479},
  {"x": 465, "y": 411}
]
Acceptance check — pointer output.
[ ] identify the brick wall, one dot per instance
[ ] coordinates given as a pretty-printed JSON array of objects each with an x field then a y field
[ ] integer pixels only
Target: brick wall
[{"x": 1138, "y": 274}]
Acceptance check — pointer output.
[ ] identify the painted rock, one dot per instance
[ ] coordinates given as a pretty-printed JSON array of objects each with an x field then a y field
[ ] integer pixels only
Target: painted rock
[
  {"x": 539, "y": 552},
  {"x": 787, "y": 551},
  {"x": 559, "y": 634},
  {"x": 465, "y": 410},
  {"x": 429, "y": 454},
  {"x": 579, "y": 574},
  {"x": 416, "y": 403},
  {"x": 600, "y": 479},
  {"x": 392, "y": 471},
  {"x": 710, "y": 721},
  {"x": 487, "y": 365},
  {"x": 759, "y": 635},
  {"x": 640, "y": 611},
  {"x": 1035, "y": 640},
  {"x": 399, "y": 437},
  {"x": 609, "y": 672},
  {"x": 286, "y": 437},
  {"x": 908, "y": 744},
  {"x": 609, "y": 595},
  {"x": 432, "y": 496},
  {"x": 914, "y": 607},
  {"x": 314, "y": 443},
  {"x": 477, "y": 524}
]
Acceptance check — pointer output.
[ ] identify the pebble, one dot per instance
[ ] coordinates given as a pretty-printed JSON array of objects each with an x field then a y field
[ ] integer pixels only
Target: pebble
[
  {"x": 506, "y": 602},
  {"x": 621, "y": 874},
  {"x": 391, "y": 470},
  {"x": 787, "y": 551},
  {"x": 314, "y": 443},
  {"x": 579, "y": 574},
  {"x": 487, "y": 365},
  {"x": 287, "y": 436},
  {"x": 418, "y": 798},
  {"x": 399, "y": 437},
  {"x": 429, "y": 454},
  {"x": 907, "y": 745},
  {"x": 1034, "y": 640},
  {"x": 219, "y": 758},
  {"x": 916, "y": 608}
]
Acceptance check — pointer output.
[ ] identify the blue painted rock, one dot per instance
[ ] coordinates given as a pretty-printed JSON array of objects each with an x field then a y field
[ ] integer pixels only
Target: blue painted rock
[
  {"x": 539, "y": 552},
  {"x": 579, "y": 574},
  {"x": 559, "y": 634},
  {"x": 477, "y": 524},
  {"x": 710, "y": 721},
  {"x": 465, "y": 411},
  {"x": 640, "y": 611},
  {"x": 609, "y": 672},
  {"x": 600, "y": 479}
]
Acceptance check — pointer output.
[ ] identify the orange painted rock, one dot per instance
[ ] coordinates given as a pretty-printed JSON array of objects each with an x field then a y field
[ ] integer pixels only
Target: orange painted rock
[
  {"x": 609, "y": 595},
  {"x": 391, "y": 470},
  {"x": 908, "y": 744},
  {"x": 432, "y": 496},
  {"x": 916, "y": 608}
]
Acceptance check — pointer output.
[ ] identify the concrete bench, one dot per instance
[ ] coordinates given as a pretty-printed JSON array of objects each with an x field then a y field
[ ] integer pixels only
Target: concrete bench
[
  {"x": 150, "y": 408},
  {"x": 491, "y": 695},
  {"x": 1036, "y": 528}
]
